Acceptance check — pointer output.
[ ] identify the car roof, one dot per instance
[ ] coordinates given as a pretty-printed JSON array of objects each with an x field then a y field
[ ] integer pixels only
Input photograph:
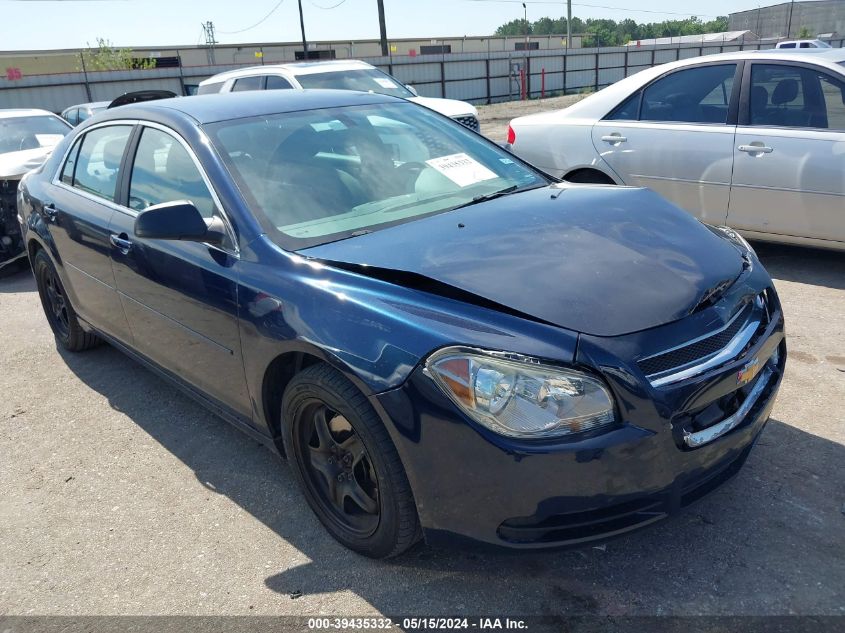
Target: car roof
[
  {"x": 303, "y": 68},
  {"x": 90, "y": 104},
  {"x": 828, "y": 55},
  {"x": 16, "y": 112},
  {"x": 237, "y": 105}
]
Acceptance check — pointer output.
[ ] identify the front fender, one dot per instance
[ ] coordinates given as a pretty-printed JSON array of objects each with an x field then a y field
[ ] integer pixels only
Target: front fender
[{"x": 373, "y": 331}]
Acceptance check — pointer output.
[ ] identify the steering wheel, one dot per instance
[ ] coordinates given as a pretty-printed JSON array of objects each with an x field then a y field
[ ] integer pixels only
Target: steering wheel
[{"x": 409, "y": 172}]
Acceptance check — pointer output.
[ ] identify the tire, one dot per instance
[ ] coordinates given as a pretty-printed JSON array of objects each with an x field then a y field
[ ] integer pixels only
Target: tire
[
  {"x": 588, "y": 176},
  {"x": 380, "y": 523},
  {"x": 58, "y": 309}
]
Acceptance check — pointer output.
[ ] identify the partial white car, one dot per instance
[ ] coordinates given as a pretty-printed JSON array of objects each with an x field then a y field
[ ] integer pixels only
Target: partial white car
[
  {"x": 753, "y": 140},
  {"x": 27, "y": 138},
  {"x": 334, "y": 75},
  {"x": 786, "y": 44}
]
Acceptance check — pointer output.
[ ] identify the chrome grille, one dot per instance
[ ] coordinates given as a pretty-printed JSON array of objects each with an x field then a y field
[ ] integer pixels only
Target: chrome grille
[
  {"x": 710, "y": 350},
  {"x": 469, "y": 121}
]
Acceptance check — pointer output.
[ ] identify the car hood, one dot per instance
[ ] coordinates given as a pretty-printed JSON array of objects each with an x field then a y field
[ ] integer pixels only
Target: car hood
[
  {"x": 449, "y": 107},
  {"x": 14, "y": 165},
  {"x": 599, "y": 260}
]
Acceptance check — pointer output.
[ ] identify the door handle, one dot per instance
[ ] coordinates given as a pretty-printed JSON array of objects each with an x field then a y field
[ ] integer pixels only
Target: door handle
[
  {"x": 121, "y": 242},
  {"x": 50, "y": 210},
  {"x": 755, "y": 149},
  {"x": 614, "y": 139}
]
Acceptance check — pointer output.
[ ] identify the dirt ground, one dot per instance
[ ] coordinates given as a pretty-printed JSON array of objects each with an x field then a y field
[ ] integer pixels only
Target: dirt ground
[
  {"x": 494, "y": 118},
  {"x": 118, "y": 495}
]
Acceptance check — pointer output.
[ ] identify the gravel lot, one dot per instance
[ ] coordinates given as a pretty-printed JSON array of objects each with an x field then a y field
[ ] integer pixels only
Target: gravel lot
[
  {"x": 118, "y": 495},
  {"x": 494, "y": 118}
]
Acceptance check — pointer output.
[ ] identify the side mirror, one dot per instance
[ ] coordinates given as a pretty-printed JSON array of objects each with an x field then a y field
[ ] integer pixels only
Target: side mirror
[
  {"x": 412, "y": 89},
  {"x": 178, "y": 220}
]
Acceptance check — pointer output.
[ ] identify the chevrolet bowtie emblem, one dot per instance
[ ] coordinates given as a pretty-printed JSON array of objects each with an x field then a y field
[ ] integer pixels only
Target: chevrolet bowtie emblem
[{"x": 747, "y": 373}]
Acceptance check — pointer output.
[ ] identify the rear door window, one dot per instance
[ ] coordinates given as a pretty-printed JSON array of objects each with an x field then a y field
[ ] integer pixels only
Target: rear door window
[
  {"x": 784, "y": 95},
  {"x": 210, "y": 89},
  {"x": 247, "y": 83},
  {"x": 98, "y": 165},
  {"x": 274, "y": 82}
]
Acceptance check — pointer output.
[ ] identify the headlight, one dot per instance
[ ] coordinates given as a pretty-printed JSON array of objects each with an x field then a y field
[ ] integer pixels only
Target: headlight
[
  {"x": 518, "y": 398},
  {"x": 735, "y": 237}
]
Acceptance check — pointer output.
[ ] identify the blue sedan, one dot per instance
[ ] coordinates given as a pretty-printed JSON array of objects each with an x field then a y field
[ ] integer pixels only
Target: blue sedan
[{"x": 442, "y": 341}]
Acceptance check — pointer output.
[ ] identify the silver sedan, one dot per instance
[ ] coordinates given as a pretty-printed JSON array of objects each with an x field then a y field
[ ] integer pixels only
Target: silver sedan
[{"x": 754, "y": 140}]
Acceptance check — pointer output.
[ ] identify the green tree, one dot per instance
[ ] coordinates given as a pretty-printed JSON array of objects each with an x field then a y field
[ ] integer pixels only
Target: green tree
[
  {"x": 604, "y": 32},
  {"x": 108, "y": 57},
  {"x": 804, "y": 33},
  {"x": 514, "y": 27}
]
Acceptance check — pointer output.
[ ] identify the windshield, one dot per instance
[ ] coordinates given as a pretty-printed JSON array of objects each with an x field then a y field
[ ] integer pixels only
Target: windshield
[
  {"x": 323, "y": 175},
  {"x": 365, "y": 80},
  {"x": 30, "y": 132}
]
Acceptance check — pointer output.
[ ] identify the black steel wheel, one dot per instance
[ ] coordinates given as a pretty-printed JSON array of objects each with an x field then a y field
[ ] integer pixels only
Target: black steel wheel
[
  {"x": 347, "y": 465},
  {"x": 338, "y": 469},
  {"x": 57, "y": 307}
]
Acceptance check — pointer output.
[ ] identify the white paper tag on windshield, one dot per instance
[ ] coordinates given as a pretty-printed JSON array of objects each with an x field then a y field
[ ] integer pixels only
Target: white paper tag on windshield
[
  {"x": 461, "y": 169},
  {"x": 47, "y": 140},
  {"x": 384, "y": 82}
]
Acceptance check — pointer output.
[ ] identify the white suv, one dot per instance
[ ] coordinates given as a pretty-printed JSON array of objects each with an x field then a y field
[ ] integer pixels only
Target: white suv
[
  {"x": 336, "y": 75},
  {"x": 802, "y": 44}
]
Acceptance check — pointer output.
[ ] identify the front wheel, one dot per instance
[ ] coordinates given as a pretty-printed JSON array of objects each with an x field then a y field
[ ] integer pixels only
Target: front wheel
[
  {"x": 57, "y": 307},
  {"x": 347, "y": 465}
]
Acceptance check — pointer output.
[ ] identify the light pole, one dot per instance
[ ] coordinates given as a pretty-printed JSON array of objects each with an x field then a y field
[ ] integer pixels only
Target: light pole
[
  {"x": 525, "y": 64},
  {"x": 525, "y": 20}
]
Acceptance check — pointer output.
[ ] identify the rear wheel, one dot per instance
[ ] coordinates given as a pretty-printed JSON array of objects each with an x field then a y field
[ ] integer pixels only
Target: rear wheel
[
  {"x": 57, "y": 307},
  {"x": 347, "y": 465}
]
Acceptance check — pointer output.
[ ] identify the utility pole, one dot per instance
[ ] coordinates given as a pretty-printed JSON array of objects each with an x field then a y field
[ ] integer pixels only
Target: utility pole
[
  {"x": 302, "y": 28},
  {"x": 568, "y": 23},
  {"x": 789, "y": 21},
  {"x": 382, "y": 27},
  {"x": 208, "y": 30},
  {"x": 210, "y": 40}
]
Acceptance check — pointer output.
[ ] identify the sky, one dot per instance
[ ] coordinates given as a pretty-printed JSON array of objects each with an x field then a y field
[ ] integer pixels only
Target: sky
[{"x": 52, "y": 24}]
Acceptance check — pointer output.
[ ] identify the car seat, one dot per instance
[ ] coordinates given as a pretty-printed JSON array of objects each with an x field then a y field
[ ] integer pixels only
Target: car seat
[
  {"x": 785, "y": 93},
  {"x": 759, "y": 105}
]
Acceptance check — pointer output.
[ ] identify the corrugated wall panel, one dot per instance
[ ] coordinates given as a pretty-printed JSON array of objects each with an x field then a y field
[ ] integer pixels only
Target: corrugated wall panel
[
  {"x": 580, "y": 79},
  {"x": 687, "y": 53},
  {"x": 465, "y": 70},
  {"x": 53, "y": 98},
  {"x": 611, "y": 60},
  {"x": 551, "y": 64},
  {"x": 422, "y": 72},
  {"x": 580, "y": 62},
  {"x": 470, "y": 90},
  {"x": 636, "y": 58},
  {"x": 503, "y": 87},
  {"x": 665, "y": 55},
  {"x": 633, "y": 70},
  {"x": 609, "y": 76}
]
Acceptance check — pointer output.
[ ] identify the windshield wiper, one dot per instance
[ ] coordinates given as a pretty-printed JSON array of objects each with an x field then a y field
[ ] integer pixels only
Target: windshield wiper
[{"x": 488, "y": 196}]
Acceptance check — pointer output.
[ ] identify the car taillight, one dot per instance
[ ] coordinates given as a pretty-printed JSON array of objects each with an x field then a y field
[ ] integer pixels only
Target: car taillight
[{"x": 511, "y": 135}]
